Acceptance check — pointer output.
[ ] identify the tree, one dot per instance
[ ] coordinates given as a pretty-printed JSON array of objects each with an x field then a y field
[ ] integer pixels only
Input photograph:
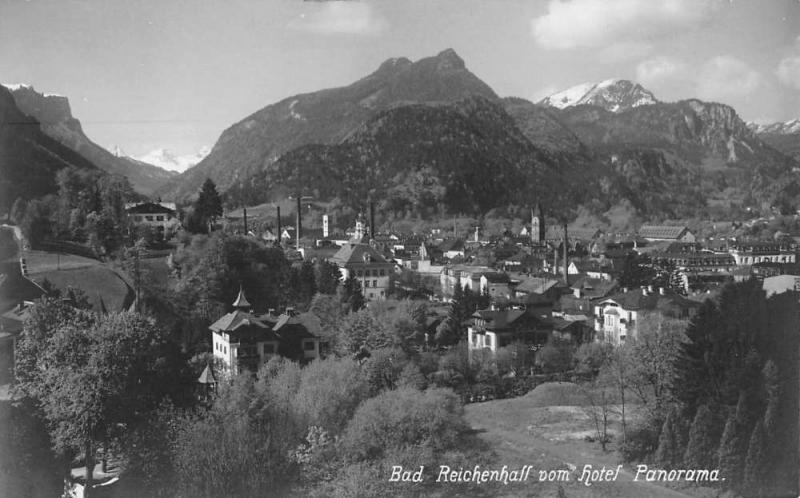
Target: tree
[
  {"x": 90, "y": 374},
  {"x": 755, "y": 462},
  {"x": 704, "y": 436},
  {"x": 327, "y": 277},
  {"x": 671, "y": 441},
  {"x": 208, "y": 206},
  {"x": 351, "y": 293}
]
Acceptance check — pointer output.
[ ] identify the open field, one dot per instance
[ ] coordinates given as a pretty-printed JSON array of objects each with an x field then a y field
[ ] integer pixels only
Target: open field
[
  {"x": 546, "y": 429},
  {"x": 96, "y": 279}
]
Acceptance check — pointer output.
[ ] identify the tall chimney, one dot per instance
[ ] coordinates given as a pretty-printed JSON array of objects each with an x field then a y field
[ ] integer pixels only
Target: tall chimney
[
  {"x": 244, "y": 211},
  {"x": 299, "y": 222},
  {"x": 566, "y": 259},
  {"x": 279, "y": 224},
  {"x": 371, "y": 220},
  {"x": 325, "y": 230}
]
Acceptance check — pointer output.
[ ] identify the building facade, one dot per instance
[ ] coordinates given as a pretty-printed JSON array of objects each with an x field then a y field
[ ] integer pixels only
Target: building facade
[
  {"x": 242, "y": 340},
  {"x": 368, "y": 266}
]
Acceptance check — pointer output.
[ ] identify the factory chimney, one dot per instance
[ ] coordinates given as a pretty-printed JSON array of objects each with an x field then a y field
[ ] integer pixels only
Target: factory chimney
[
  {"x": 371, "y": 220},
  {"x": 566, "y": 259},
  {"x": 299, "y": 221},
  {"x": 278, "y": 229}
]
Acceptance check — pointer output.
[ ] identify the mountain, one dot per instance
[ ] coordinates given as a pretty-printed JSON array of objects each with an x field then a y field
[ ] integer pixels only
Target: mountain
[
  {"x": 785, "y": 137},
  {"x": 164, "y": 158},
  {"x": 612, "y": 95},
  {"x": 697, "y": 148},
  {"x": 29, "y": 159},
  {"x": 55, "y": 117},
  {"x": 467, "y": 156},
  {"x": 326, "y": 117}
]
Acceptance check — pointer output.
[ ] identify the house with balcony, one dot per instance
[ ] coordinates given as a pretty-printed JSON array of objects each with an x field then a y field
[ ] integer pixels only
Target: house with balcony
[
  {"x": 243, "y": 340},
  {"x": 617, "y": 316}
]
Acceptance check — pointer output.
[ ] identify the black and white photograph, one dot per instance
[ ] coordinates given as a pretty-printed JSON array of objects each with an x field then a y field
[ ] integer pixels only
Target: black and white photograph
[{"x": 411, "y": 248}]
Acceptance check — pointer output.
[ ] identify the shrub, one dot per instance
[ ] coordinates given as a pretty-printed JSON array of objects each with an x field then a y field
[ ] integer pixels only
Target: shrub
[{"x": 404, "y": 418}]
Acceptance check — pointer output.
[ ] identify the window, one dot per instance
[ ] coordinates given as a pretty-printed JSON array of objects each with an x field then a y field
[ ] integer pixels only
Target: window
[
  {"x": 308, "y": 345},
  {"x": 383, "y": 273},
  {"x": 383, "y": 294},
  {"x": 374, "y": 283},
  {"x": 366, "y": 283},
  {"x": 137, "y": 218},
  {"x": 360, "y": 273},
  {"x": 225, "y": 349},
  {"x": 148, "y": 218},
  {"x": 159, "y": 218}
]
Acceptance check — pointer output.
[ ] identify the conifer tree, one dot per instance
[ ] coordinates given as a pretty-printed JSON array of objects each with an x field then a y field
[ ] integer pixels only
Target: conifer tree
[
  {"x": 671, "y": 441},
  {"x": 754, "y": 465},
  {"x": 704, "y": 438},
  {"x": 733, "y": 447}
]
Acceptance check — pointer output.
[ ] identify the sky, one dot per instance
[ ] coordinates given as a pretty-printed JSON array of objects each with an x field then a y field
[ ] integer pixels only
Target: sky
[{"x": 174, "y": 74}]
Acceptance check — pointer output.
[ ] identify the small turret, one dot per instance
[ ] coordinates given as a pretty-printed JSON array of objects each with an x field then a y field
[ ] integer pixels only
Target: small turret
[{"x": 241, "y": 301}]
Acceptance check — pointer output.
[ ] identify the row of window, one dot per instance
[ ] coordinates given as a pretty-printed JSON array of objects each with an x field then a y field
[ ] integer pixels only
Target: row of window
[
  {"x": 371, "y": 273},
  {"x": 374, "y": 283},
  {"x": 148, "y": 218},
  {"x": 219, "y": 347}
]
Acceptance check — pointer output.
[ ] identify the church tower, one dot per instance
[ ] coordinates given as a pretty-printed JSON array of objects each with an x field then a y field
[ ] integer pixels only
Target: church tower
[
  {"x": 537, "y": 225},
  {"x": 359, "y": 227}
]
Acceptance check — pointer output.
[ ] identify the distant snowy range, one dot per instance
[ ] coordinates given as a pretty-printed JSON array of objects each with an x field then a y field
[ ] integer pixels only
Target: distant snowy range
[{"x": 166, "y": 159}]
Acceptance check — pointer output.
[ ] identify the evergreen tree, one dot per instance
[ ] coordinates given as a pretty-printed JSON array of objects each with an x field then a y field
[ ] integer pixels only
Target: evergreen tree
[
  {"x": 671, "y": 441},
  {"x": 733, "y": 445},
  {"x": 327, "y": 277},
  {"x": 704, "y": 438},
  {"x": 755, "y": 462},
  {"x": 208, "y": 206},
  {"x": 351, "y": 293}
]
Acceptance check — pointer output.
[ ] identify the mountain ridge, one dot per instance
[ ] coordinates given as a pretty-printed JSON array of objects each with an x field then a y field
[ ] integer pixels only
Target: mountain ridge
[
  {"x": 54, "y": 114},
  {"x": 326, "y": 116}
]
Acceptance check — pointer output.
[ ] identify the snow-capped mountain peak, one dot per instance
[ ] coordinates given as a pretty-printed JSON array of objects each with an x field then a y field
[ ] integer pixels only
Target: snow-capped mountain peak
[
  {"x": 614, "y": 95},
  {"x": 165, "y": 158},
  {"x": 16, "y": 86},
  {"x": 786, "y": 128}
]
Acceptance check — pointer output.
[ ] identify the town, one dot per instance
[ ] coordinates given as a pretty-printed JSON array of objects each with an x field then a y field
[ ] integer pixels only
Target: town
[{"x": 370, "y": 248}]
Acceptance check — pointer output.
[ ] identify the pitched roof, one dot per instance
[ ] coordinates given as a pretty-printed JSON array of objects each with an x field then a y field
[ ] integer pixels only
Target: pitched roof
[
  {"x": 149, "y": 207},
  {"x": 662, "y": 231},
  {"x": 207, "y": 377},
  {"x": 355, "y": 254},
  {"x": 637, "y": 300},
  {"x": 235, "y": 320},
  {"x": 537, "y": 285},
  {"x": 499, "y": 319}
]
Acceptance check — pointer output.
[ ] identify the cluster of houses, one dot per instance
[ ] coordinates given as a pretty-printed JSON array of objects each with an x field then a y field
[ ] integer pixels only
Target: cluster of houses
[{"x": 543, "y": 283}]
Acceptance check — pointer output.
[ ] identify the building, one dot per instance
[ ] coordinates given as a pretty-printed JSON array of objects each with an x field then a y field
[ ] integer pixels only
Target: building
[
  {"x": 780, "y": 284},
  {"x": 617, "y": 317},
  {"x": 368, "y": 266},
  {"x": 663, "y": 232},
  {"x": 691, "y": 257},
  {"x": 160, "y": 216},
  {"x": 750, "y": 253},
  {"x": 493, "y": 329},
  {"x": 242, "y": 340},
  {"x": 467, "y": 276}
]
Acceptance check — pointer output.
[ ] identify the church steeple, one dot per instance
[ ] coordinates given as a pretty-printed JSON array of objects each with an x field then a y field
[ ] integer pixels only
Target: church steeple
[{"x": 241, "y": 301}]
